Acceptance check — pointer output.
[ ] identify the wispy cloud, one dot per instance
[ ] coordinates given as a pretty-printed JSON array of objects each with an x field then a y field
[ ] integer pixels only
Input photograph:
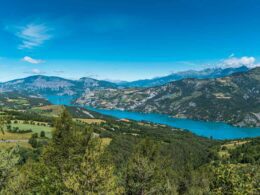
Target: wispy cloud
[
  {"x": 35, "y": 72},
  {"x": 59, "y": 72},
  {"x": 32, "y": 60},
  {"x": 32, "y": 35}
]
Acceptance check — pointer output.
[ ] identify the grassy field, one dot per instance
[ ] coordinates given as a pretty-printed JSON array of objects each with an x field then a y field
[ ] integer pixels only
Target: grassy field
[
  {"x": 11, "y": 145},
  {"x": 105, "y": 141},
  {"x": 34, "y": 128},
  {"x": 229, "y": 146},
  {"x": 50, "y": 110},
  {"x": 18, "y": 101},
  {"x": 21, "y": 138},
  {"x": 14, "y": 136}
]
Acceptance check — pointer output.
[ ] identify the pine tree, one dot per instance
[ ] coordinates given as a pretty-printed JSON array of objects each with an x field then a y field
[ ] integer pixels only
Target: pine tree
[
  {"x": 2, "y": 124},
  {"x": 93, "y": 176},
  {"x": 61, "y": 149},
  {"x": 147, "y": 172},
  {"x": 8, "y": 160}
]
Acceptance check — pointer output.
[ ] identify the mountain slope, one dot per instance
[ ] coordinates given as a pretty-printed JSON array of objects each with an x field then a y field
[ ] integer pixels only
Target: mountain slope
[
  {"x": 54, "y": 85},
  {"x": 203, "y": 74},
  {"x": 234, "y": 99}
]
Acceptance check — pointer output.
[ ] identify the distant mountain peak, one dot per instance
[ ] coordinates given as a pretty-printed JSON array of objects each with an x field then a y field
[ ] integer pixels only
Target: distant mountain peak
[{"x": 216, "y": 72}]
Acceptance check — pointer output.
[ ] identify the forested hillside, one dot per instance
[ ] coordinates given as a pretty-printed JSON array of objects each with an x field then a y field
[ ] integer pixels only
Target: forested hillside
[{"x": 108, "y": 156}]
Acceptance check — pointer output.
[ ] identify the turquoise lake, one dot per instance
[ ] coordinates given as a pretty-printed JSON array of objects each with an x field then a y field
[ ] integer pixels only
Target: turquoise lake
[{"x": 216, "y": 130}]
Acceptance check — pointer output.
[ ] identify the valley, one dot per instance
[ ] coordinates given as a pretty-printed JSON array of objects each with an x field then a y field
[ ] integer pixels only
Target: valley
[
  {"x": 130, "y": 97},
  {"x": 233, "y": 99},
  {"x": 45, "y": 121},
  {"x": 216, "y": 96},
  {"x": 32, "y": 135},
  {"x": 201, "y": 106}
]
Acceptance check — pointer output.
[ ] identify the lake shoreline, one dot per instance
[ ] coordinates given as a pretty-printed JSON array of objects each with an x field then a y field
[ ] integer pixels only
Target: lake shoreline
[{"x": 210, "y": 129}]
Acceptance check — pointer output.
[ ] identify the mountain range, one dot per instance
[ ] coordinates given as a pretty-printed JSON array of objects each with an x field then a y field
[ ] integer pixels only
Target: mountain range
[
  {"x": 59, "y": 86},
  {"x": 200, "y": 74},
  {"x": 220, "y": 94},
  {"x": 233, "y": 99}
]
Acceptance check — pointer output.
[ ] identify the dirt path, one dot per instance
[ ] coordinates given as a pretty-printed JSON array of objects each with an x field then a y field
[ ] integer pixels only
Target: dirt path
[{"x": 14, "y": 141}]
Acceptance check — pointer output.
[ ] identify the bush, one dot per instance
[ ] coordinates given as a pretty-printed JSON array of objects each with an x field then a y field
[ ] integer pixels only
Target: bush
[
  {"x": 42, "y": 134},
  {"x": 17, "y": 130},
  {"x": 224, "y": 148}
]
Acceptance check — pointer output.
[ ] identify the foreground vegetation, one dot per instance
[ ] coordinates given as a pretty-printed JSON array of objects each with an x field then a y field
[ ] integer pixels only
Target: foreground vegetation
[{"x": 122, "y": 157}]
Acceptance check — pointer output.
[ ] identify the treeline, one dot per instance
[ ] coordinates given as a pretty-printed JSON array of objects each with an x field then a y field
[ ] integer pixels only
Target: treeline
[
  {"x": 28, "y": 116},
  {"x": 247, "y": 153}
]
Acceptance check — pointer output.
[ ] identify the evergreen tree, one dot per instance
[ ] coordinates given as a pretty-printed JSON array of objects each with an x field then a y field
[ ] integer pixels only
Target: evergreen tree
[
  {"x": 33, "y": 140},
  {"x": 42, "y": 134},
  {"x": 70, "y": 164},
  {"x": 2, "y": 124},
  {"x": 93, "y": 176},
  {"x": 147, "y": 172},
  {"x": 8, "y": 160}
]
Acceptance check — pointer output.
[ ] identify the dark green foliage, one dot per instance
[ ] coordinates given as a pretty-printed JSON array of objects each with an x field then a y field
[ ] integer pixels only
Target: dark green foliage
[
  {"x": 42, "y": 134},
  {"x": 2, "y": 124},
  {"x": 235, "y": 179},
  {"x": 247, "y": 153},
  {"x": 237, "y": 173},
  {"x": 180, "y": 152},
  {"x": 139, "y": 158},
  {"x": 17, "y": 130},
  {"x": 33, "y": 140},
  {"x": 8, "y": 161},
  {"x": 58, "y": 169},
  {"x": 149, "y": 172}
]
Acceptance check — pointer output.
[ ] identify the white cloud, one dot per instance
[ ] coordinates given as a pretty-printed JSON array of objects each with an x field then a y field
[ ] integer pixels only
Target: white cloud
[
  {"x": 35, "y": 71},
  {"x": 232, "y": 55},
  {"x": 33, "y": 35},
  {"x": 32, "y": 61},
  {"x": 237, "y": 62}
]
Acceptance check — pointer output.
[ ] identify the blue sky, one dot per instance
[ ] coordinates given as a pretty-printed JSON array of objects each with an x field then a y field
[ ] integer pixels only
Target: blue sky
[{"x": 125, "y": 39}]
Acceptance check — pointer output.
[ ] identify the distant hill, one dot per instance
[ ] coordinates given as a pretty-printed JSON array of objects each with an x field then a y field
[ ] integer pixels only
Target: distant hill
[
  {"x": 14, "y": 100},
  {"x": 234, "y": 99},
  {"x": 54, "y": 85},
  {"x": 202, "y": 74}
]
